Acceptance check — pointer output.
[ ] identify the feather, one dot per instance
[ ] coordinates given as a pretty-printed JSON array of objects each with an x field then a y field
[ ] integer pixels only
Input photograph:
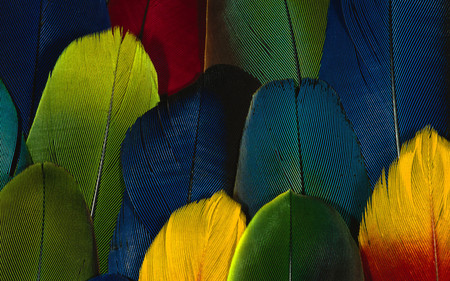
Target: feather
[
  {"x": 405, "y": 233},
  {"x": 304, "y": 239},
  {"x": 34, "y": 33},
  {"x": 109, "y": 277},
  {"x": 271, "y": 40},
  {"x": 173, "y": 34},
  {"x": 99, "y": 86},
  {"x": 388, "y": 60},
  {"x": 300, "y": 139},
  {"x": 47, "y": 233},
  {"x": 130, "y": 242},
  {"x": 187, "y": 148},
  {"x": 197, "y": 243},
  {"x": 14, "y": 155}
]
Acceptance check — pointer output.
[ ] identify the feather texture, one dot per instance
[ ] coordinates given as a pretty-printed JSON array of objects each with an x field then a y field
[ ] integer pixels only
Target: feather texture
[
  {"x": 405, "y": 234},
  {"x": 109, "y": 277},
  {"x": 271, "y": 40},
  {"x": 388, "y": 60},
  {"x": 197, "y": 243},
  {"x": 296, "y": 237},
  {"x": 173, "y": 33},
  {"x": 187, "y": 148},
  {"x": 34, "y": 33},
  {"x": 300, "y": 139},
  {"x": 99, "y": 86},
  {"x": 130, "y": 242},
  {"x": 47, "y": 233},
  {"x": 14, "y": 155}
]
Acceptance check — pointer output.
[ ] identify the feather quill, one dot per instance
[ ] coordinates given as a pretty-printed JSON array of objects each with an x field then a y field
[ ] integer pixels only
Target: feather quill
[
  {"x": 34, "y": 34},
  {"x": 296, "y": 237},
  {"x": 47, "y": 233},
  {"x": 388, "y": 60},
  {"x": 405, "y": 233},
  {"x": 300, "y": 139},
  {"x": 197, "y": 242},
  {"x": 14, "y": 155},
  {"x": 187, "y": 148},
  {"x": 99, "y": 86},
  {"x": 271, "y": 40},
  {"x": 173, "y": 34}
]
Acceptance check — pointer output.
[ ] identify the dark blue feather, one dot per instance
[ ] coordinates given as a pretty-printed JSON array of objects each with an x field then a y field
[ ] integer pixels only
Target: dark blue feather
[
  {"x": 129, "y": 243},
  {"x": 14, "y": 156},
  {"x": 186, "y": 148},
  {"x": 370, "y": 68},
  {"x": 300, "y": 139},
  {"x": 34, "y": 33},
  {"x": 109, "y": 277}
]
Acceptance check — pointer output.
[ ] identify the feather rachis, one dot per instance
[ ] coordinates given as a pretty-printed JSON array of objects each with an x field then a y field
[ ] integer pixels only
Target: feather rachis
[{"x": 406, "y": 223}]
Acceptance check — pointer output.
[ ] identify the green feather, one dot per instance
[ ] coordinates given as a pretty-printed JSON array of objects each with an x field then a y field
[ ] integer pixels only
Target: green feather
[
  {"x": 273, "y": 40},
  {"x": 46, "y": 230},
  {"x": 100, "y": 85},
  {"x": 296, "y": 237}
]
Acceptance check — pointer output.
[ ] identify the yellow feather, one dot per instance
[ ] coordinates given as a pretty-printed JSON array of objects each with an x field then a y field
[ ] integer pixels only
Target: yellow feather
[
  {"x": 197, "y": 243},
  {"x": 405, "y": 232}
]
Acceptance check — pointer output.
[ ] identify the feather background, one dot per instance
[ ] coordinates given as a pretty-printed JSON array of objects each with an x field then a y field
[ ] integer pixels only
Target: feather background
[
  {"x": 34, "y": 34},
  {"x": 14, "y": 155},
  {"x": 99, "y": 86},
  {"x": 300, "y": 139},
  {"x": 197, "y": 242},
  {"x": 405, "y": 234},
  {"x": 47, "y": 233}
]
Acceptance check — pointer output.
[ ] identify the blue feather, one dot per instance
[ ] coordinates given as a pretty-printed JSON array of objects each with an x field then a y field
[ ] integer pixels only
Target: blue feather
[
  {"x": 129, "y": 243},
  {"x": 300, "y": 139},
  {"x": 34, "y": 33},
  {"x": 185, "y": 149},
  {"x": 109, "y": 277},
  {"x": 382, "y": 77},
  {"x": 14, "y": 155}
]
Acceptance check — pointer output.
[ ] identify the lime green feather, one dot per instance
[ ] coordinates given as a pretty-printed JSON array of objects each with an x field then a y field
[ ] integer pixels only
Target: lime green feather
[
  {"x": 46, "y": 230},
  {"x": 100, "y": 85},
  {"x": 296, "y": 237}
]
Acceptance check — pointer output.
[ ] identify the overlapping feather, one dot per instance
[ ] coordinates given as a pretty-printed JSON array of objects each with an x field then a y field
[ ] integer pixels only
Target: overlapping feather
[
  {"x": 197, "y": 242},
  {"x": 34, "y": 34},
  {"x": 296, "y": 237},
  {"x": 46, "y": 230},
  {"x": 173, "y": 34},
  {"x": 405, "y": 234},
  {"x": 271, "y": 40},
  {"x": 300, "y": 139},
  {"x": 388, "y": 61},
  {"x": 99, "y": 86},
  {"x": 14, "y": 156}
]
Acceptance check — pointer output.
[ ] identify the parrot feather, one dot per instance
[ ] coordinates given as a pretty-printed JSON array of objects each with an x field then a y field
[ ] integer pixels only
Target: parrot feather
[
  {"x": 197, "y": 242},
  {"x": 100, "y": 85},
  {"x": 47, "y": 232},
  {"x": 300, "y": 139},
  {"x": 405, "y": 232},
  {"x": 109, "y": 277},
  {"x": 296, "y": 237},
  {"x": 34, "y": 34}
]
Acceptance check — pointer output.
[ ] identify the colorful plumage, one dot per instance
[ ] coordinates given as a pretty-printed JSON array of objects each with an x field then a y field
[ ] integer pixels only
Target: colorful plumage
[
  {"x": 300, "y": 139},
  {"x": 34, "y": 34},
  {"x": 388, "y": 61},
  {"x": 405, "y": 233},
  {"x": 197, "y": 242},
  {"x": 271, "y": 40},
  {"x": 14, "y": 156},
  {"x": 173, "y": 34},
  {"x": 296, "y": 237},
  {"x": 187, "y": 147},
  {"x": 46, "y": 230},
  {"x": 100, "y": 85}
]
